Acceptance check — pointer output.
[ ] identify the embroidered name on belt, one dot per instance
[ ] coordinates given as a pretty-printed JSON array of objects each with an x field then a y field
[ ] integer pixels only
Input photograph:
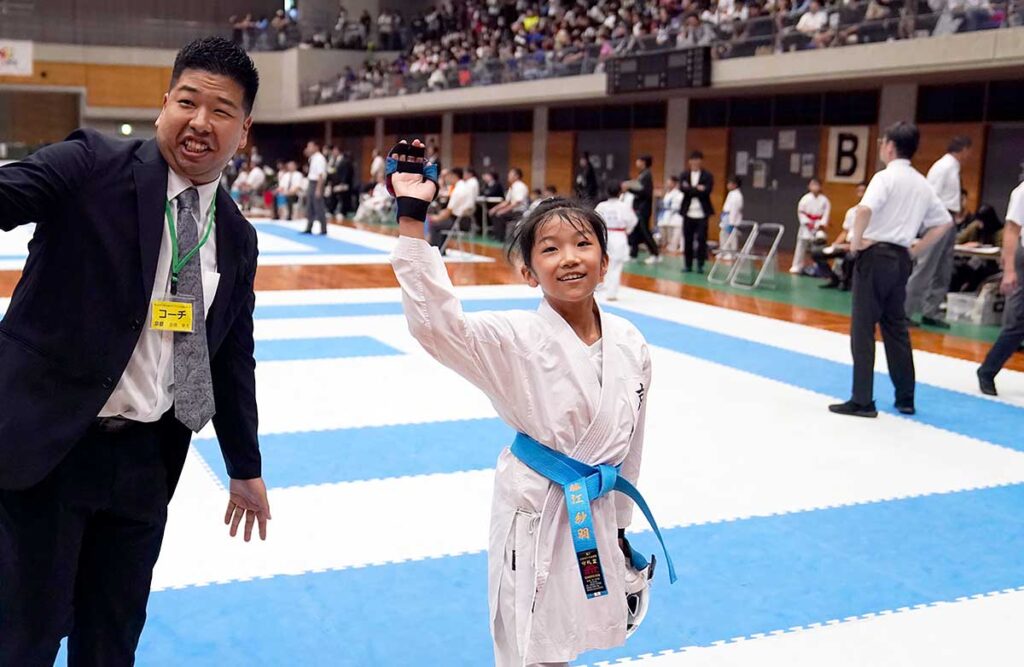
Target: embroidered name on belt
[{"x": 581, "y": 524}]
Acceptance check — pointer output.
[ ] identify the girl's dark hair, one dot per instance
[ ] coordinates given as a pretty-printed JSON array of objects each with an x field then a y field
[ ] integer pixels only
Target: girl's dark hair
[{"x": 582, "y": 217}]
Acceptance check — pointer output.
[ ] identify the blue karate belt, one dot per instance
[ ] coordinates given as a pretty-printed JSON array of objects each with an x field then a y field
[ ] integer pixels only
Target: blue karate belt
[{"x": 582, "y": 484}]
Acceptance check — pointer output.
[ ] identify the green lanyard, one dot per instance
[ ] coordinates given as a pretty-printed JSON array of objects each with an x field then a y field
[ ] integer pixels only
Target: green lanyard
[{"x": 178, "y": 263}]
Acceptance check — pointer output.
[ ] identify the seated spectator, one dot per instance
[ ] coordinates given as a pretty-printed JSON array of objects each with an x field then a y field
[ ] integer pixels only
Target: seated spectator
[
  {"x": 813, "y": 25},
  {"x": 240, "y": 188},
  {"x": 985, "y": 231},
  {"x": 458, "y": 210},
  {"x": 839, "y": 251},
  {"x": 491, "y": 186},
  {"x": 290, "y": 184},
  {"x": 375, "y": 207},
  {"x": 517, "y": 198},
  {"x": 694, "y": 33}
]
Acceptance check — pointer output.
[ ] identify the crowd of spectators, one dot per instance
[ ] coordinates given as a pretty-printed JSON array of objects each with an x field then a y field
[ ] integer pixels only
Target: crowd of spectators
[
  {"x": 479, "y": 42},
  {"x": 266, "y": 33}
]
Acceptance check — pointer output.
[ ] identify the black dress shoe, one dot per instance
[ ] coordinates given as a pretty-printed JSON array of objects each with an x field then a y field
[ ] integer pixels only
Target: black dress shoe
[
  {"x": 829, "y": 286},
  {"x": 987, "y": 384},
  {"x": 906, "y": 409},
  {"x": 854, "y": 409},
  {"x": 306, "y": 231},
  {"x": 687, "y": 269},
  {"x": 932, "y": 322}
]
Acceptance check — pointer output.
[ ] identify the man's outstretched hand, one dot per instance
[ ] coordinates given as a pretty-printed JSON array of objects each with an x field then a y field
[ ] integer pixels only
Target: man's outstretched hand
[{"x": 248, "y": 499}]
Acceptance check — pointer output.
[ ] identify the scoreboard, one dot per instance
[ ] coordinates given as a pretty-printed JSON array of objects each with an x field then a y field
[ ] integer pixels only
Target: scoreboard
[{"x": 662, "y": 70}]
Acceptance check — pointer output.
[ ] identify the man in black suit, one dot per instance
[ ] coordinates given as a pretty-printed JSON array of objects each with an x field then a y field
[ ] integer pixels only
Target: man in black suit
[
  {"x": 130, "y": 329},
  {"x": 643, "y": 203},
  {"x": 696, "y": 184}
]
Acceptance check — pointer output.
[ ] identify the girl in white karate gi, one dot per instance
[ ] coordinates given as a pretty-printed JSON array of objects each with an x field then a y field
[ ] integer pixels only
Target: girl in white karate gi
[
  {"x": 732, "y": 215},
  {"x": 569, "y": 375},
  {"x": 813, "y": 211},
  {"x": 670, "y": 220},
  {"x": 619, "y": 219}
]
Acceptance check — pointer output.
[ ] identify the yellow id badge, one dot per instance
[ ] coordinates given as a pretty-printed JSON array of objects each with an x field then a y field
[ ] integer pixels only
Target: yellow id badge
[{"x": 172, "y": 314}]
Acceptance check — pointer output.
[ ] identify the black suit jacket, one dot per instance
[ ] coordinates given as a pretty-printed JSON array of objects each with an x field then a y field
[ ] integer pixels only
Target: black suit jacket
[
  {"x": 83, "y": 298},
  {"x": 689, "y": 192},
  {"x": 643, "y": 199}
]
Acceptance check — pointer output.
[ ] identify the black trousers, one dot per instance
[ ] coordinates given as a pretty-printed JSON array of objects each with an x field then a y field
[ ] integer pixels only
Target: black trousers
[
  {"x": 695, "y": 230},
  {"x": 642, "y": 234},
  {"x": 879, "y": 290},
  {"x": 1012, "y": 334},
  {"x": 77, "y": 550},
  {"x": 822, "y": 259}
]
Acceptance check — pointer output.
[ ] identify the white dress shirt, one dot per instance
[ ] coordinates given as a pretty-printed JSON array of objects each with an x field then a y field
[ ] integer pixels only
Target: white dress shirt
[
  {"x": 1015, "y": 211},
  {"x": 944, "y": 177},
  {"x": 461, "y": 201},
  {"x": 256, "y": 178},
  {"x": 518, "y": 195},
  {"x": 317, "y": 167},
  {"x": 901, "y": 202},
  {"x": 696, "y": 209},
  {"x": 146, "y": 389}
]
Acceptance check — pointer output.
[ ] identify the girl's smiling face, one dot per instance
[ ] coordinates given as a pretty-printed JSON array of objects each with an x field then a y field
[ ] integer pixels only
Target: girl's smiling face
[{"x": 566, "y": 261}]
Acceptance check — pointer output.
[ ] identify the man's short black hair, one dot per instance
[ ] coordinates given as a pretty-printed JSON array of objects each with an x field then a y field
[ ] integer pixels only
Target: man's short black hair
[
  {"x": 457, "y": 171},
  {"x": 219, "y": 56},
  {"x": 737, "y": 179},
  {"x": 958, "y": 143},
  {"x": 696, "y": 155},
  {"x": 905, "y": 137},
  {"x": 647, "y": 160}
]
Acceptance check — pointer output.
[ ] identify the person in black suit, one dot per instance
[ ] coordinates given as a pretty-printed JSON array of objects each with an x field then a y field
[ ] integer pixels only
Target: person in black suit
[
  {"x": 100, "y": 398},
  {"x": 643, "y": 203},
  {"x": 696, "y": 184}
]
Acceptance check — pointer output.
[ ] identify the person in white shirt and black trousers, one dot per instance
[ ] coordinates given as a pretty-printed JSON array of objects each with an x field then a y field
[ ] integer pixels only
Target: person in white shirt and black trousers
[
  {"x": 100, "y": 399},
  {"x": 897, "y": 204},
  {"x": 933, "y": 268},
  {"x": 696, "y": 184}
]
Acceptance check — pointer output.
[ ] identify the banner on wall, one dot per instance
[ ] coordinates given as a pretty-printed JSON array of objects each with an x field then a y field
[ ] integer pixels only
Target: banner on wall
[
  {"x": 15, "y": 58},
  {"x": 847, "y": 154}
]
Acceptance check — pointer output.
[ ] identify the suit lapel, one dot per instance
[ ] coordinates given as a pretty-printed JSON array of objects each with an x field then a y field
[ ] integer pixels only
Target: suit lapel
[
  {"x": 229, "y": 241},
  {"x": 150, "y": 174}
]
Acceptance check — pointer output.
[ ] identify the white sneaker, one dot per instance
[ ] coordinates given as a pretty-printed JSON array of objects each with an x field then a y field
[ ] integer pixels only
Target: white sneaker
[{"x": 653, "y": 259}]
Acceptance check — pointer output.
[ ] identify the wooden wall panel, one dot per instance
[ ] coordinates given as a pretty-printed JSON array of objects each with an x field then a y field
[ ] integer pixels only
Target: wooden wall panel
[
  {"x": 934, "y": 140},
  {"x": 560, "y": 163},
  {"x": 461, "y": 144},
  {"x": 844, "y": 195},
  {"x": 520, "y": 154},
  {"x": 651, "y": 142},
  {"x": 366, "y": 158},
  {"x": 125, "y": 86},
  {"x": 714, "y": 143},
  {"x": 106, "y": 85},
  {"x": 40, "y": 117}
]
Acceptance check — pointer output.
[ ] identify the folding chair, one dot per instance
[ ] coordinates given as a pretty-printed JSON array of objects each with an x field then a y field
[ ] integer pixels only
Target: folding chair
[
  {"x": 459, "y": 231},
  {"x": 761, "y": 247},
  {"x": 729, "y": 249}
]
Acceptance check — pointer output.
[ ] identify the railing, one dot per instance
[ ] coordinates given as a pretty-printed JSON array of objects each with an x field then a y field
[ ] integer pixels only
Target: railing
[{"x": 860, "y": 23}]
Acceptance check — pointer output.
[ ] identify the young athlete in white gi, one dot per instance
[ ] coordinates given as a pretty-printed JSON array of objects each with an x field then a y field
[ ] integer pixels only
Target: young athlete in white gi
[
  {"x": 813, "y": 211},
  {"x": 620, "y": 219},
  {"x": 732, "y": 214},
  {"x": 670, "y": 220},
  {"x": 568, "y": 375}
]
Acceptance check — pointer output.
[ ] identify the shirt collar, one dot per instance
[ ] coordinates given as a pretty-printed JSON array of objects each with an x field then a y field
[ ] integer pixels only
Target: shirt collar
[
  {"x": 207, "y": 191},
  {"x": 902, "y": 162}
]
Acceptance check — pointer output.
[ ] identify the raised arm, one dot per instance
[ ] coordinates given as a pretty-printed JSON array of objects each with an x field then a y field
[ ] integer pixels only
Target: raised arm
[
  {"x": 31, "y": 189},
  {"x": 478, "y": 347}
]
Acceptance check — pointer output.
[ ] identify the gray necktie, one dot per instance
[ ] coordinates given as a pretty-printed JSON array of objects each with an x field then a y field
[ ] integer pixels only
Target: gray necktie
[{"x": 193, "y": 384}]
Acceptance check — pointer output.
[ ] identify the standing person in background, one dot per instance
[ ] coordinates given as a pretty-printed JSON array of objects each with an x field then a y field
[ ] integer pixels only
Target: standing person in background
[
  {"x": 100, "y": 401},
  {"x": 344, "y": 184},
  {"x": 255, "y": 182},
  {"x": 670, "y": 221},
  {"x": 376, "y": 167},
  {"x": 620, "y": 219},
  {"x": 331, "y": 192},
  {"x": 813, "y": 211},
  {"x": 897, "y": 203},
  {"x": 585, "y": 186},
  {"x": 732, "y": 214},
  {"x": 643, "y": 203},
  {"x": 317, "y": 177},
  {"x": 289, "y": 187},
  {"x": 696, "y": 184},
  {"x": 1012, "y": 335},
  {"x": 933, "y": 270}
]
